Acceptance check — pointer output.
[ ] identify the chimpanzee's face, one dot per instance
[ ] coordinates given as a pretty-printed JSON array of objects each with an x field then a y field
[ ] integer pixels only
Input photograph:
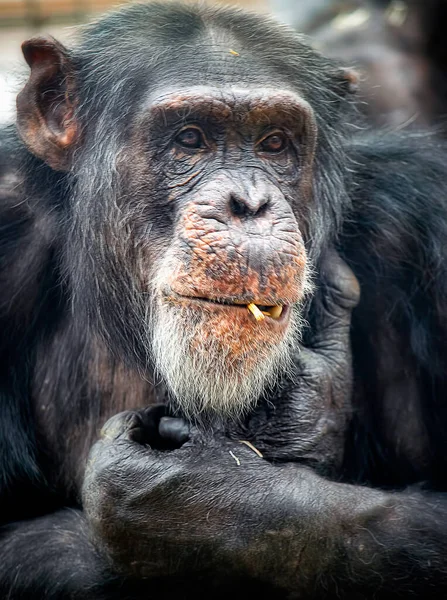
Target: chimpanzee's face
[
  {"x": 193, "y": 194},
  {"x": 232, "y": 169}
]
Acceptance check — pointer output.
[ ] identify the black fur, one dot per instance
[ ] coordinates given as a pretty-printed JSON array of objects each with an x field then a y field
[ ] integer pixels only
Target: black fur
[{"x": 70, "y": 354}]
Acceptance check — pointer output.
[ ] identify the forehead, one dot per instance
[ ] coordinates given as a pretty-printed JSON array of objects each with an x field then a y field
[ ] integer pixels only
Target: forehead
[
  {"x": 161, "y": 50},
  {"x": 214, "y": 57},
  {"x": 217, "y": 62}
]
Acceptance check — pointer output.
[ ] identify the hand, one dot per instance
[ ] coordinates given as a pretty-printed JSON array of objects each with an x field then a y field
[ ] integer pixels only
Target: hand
[
  {"x": 163, "y": 499},
  {"x": 213, "y": 514},
  {"x": 307, "y": 420}
]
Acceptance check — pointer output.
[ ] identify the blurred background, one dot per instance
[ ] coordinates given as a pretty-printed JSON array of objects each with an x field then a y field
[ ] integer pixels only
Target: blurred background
[{"x": 398, "y": 47}]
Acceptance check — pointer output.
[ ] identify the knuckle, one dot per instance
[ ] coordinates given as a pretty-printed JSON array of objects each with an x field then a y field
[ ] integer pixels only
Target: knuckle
[
  {"x": 342, "y": 284},
  {"x": 118, "y": 424}
]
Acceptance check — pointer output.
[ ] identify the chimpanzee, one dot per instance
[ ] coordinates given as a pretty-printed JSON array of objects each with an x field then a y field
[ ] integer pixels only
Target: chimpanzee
[
  {"x": 398, "y": 48},
  {"x": 188, "y": 204}
]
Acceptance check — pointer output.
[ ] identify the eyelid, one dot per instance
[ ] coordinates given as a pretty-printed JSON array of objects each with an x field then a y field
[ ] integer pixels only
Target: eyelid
[{"x": 189, "y": 126}]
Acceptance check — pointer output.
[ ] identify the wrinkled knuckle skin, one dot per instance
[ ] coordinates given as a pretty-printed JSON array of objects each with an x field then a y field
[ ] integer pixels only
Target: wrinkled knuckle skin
[
  {"x": 342, "y": 285},
  {"x": 133, "y": 510},
  {"x": 310, "y": 369},
  {"x": 119, "y": 425},
  {"x": 346, "y": 293},
  {"x": 99, "y": 478}
]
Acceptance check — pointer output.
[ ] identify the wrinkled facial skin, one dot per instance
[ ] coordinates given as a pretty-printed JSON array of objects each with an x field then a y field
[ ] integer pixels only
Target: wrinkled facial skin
[{"x": 233, "y": 170}]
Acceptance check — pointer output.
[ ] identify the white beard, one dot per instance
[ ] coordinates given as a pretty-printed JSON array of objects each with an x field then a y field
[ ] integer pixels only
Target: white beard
[{"x": 201, "y": 372}]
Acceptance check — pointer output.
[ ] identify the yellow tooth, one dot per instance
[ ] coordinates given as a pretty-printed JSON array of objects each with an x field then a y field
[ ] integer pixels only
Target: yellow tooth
[
  {"x": 255, "y": 312},
  {"x": 275, "y": 312}
]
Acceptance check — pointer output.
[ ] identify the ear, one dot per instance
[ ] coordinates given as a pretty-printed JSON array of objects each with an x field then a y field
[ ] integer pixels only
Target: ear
[
  {"x": 45, "y": 106},
  {"x": 349, "y": 80}
]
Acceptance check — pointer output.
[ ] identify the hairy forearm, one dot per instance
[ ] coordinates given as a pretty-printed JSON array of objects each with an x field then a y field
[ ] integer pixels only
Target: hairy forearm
[
  {"x": 216, "y": 509},
  {"x": 290, "y": 528},
  {"x": 280, "y": 524},
  {"x": 398, "y": 547},
  {"x": 321, "y": 537},
  {"x": 51, "y": 557},
  {"x": 303, "y": 533}
]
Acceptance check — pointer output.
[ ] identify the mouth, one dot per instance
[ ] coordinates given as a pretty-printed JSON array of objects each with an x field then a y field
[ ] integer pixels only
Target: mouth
[{"x": 258, "y": 311}]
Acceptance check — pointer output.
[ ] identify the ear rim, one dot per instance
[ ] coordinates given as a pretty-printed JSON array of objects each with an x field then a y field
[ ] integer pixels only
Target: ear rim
[
  {"x": 47, "y": 59},
  {"x": 350, "y": 78}
]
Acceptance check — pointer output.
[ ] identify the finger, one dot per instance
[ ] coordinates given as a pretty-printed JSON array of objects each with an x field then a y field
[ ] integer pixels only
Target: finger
[
  {"x": 118, "y": 425},
  {"x": 338, "y": 295},
  {"x": 339, "y": 282},
  {"x": 174, "y": 431},
  {"x": 137, "y": 426},
  {"x": 148, "y": 431}
]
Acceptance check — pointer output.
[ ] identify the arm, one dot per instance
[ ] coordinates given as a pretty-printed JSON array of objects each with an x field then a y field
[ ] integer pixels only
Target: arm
[
  {"x": 26, "y": 235},
  {"x": 47, "y": 557},
  {"x": 51, "y": 557},
  {"x": 195, "y": 510}
]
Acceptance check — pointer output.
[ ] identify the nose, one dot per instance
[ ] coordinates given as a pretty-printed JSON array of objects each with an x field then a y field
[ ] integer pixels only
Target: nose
[{"x": 248, "y": 205}]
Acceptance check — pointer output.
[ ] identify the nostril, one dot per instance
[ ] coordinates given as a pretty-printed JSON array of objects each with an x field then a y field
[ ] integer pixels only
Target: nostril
[
  {"x": 237, "y": 207},
  {"x": 241, "y": 207},
  {"x": 262, "y": 208}
]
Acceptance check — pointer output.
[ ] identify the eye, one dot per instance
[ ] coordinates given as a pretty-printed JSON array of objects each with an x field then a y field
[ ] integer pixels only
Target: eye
[
  {"x": 191, "y": 137},
  {"x": 274, "y": 143}
]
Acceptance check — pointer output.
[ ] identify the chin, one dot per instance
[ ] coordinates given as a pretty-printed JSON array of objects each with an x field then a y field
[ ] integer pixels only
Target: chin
[{"x": 217, "y": 359}]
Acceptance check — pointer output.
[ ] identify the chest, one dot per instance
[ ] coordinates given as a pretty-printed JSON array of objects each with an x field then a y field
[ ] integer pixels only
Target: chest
[{"x": 77, "y": 386}]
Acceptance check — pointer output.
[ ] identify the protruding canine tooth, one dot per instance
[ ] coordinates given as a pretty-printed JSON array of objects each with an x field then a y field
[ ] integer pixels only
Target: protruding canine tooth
[
  {"x": 255, "y": 312},
  {"x": 275, "y": 312}
]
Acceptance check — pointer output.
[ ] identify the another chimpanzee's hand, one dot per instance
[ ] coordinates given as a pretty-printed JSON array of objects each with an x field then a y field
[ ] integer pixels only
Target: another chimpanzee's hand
[{"x": 309, "y": 417}]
